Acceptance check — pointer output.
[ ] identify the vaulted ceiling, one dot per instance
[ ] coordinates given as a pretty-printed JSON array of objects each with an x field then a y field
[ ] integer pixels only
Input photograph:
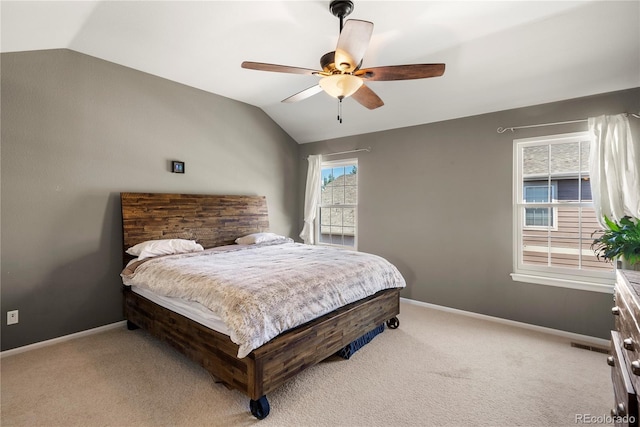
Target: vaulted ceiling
[{"x": 499, "y": 55}]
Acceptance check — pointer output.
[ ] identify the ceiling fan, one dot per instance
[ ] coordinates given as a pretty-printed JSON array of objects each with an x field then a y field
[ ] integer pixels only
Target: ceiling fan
[{"x": 341, "y": 75}]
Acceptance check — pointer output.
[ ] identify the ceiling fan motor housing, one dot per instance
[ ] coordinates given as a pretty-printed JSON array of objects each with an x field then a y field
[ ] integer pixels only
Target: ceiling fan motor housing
[{"x": 327, "y": 62}]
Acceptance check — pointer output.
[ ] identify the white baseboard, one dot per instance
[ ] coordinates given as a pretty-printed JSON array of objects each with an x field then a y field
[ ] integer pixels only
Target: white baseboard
[
  {"x": 62, "y": 339},
  {"x": 583, "y": 339}
]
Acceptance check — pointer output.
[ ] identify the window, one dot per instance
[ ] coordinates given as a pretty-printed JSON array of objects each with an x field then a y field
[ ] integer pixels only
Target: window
[
  {"x": 537, "y": 192},
  {"x": 554, "y": 217},
  {"x": 338, "y": 209}
]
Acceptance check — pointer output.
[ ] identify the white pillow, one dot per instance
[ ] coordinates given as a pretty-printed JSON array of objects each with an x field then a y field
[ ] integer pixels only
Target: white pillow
[
  {"x": 255, "y": 238},
  {"x": 152, "y": 248}
]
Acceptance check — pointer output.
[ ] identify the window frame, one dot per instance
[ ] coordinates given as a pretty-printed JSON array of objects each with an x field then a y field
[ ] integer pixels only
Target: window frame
[
  {"x": 591, "y": 280},
  {"x": 325, "y": 164}
]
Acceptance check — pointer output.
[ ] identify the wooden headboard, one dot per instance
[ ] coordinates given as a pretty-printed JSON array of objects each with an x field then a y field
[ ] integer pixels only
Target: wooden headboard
[{"x": 208, "y": 219}]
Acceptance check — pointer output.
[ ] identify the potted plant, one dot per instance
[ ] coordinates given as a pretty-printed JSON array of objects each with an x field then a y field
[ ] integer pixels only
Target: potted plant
[{"x": 619, "y": 241}]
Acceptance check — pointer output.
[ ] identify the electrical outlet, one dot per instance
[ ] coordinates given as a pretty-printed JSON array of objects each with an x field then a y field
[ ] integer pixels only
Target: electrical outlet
[{"x": 12, "y": 317}]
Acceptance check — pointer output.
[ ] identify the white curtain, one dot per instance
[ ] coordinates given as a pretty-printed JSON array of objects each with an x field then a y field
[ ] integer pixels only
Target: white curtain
[
  {"x": 614, "y": 168},
  {"x": 311, "y": 198}
]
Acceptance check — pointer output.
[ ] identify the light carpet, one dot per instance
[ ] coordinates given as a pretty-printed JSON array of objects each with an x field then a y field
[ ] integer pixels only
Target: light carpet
[{"x": 437, "y": 369}]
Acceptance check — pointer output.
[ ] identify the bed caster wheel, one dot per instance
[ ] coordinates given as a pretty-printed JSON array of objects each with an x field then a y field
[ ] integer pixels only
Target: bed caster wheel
[
  {"x": 259, "y": 408},
  {"x": 131, "y": 326},
  {"x": 393, "y": 323}
]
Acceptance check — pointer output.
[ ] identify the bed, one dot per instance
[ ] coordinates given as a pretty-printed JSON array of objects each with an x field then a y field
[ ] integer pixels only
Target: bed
[{"x": 215, "y": 222}]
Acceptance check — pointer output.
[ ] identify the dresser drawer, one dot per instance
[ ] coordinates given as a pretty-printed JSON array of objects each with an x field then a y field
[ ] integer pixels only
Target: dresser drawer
[
  {"x": 625, "y": 411},
  {"x": 627, "y": 326}
]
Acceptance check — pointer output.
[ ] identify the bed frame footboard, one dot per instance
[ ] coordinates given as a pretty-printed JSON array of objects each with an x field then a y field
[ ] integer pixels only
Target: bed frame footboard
[{"x": 277, "y": 361}]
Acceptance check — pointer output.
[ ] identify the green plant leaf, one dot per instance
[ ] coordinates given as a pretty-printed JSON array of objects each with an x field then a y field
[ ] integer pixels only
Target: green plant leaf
[
  {"x": 612, "y": 225},
  {"x": 619, "y": 240}
]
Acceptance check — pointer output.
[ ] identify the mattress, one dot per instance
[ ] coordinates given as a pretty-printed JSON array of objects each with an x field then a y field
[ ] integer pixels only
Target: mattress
[
  {"x": 260, "y": 291},
  {"x": 189, "y": 309}
]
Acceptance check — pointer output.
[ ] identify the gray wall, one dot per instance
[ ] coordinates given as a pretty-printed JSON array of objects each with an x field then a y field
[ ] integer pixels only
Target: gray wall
[
  {"x": 436, "y": 200},
  {"x": 76, "y": 131}
]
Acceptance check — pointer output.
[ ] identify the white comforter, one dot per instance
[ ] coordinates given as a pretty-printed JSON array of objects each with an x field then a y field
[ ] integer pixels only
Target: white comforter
[{"x": 260, "y": 291}]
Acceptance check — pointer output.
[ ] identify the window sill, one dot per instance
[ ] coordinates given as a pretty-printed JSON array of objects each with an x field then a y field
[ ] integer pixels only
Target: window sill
[{"x": 604, "y": 285}]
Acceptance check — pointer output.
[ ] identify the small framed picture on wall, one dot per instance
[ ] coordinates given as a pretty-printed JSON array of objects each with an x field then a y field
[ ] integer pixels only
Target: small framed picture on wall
[{"x": 177, "y": 167}]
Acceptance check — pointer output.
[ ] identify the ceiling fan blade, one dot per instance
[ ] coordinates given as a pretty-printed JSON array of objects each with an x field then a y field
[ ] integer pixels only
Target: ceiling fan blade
[
  {"x": 401, "y": 72},
  {"x": 308, "y": 92},
  {"x": 352, "y": 44},
  {"x": 367, "y": 98},
  {"x": 261, "y": 66}
]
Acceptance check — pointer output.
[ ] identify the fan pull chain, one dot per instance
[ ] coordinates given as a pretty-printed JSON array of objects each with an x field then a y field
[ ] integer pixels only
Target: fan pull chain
[{"x": 340, "y": 110}]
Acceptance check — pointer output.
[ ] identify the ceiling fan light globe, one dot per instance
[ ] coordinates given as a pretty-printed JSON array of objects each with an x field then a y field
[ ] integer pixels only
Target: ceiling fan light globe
[{"x": 340, "y": 85}]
